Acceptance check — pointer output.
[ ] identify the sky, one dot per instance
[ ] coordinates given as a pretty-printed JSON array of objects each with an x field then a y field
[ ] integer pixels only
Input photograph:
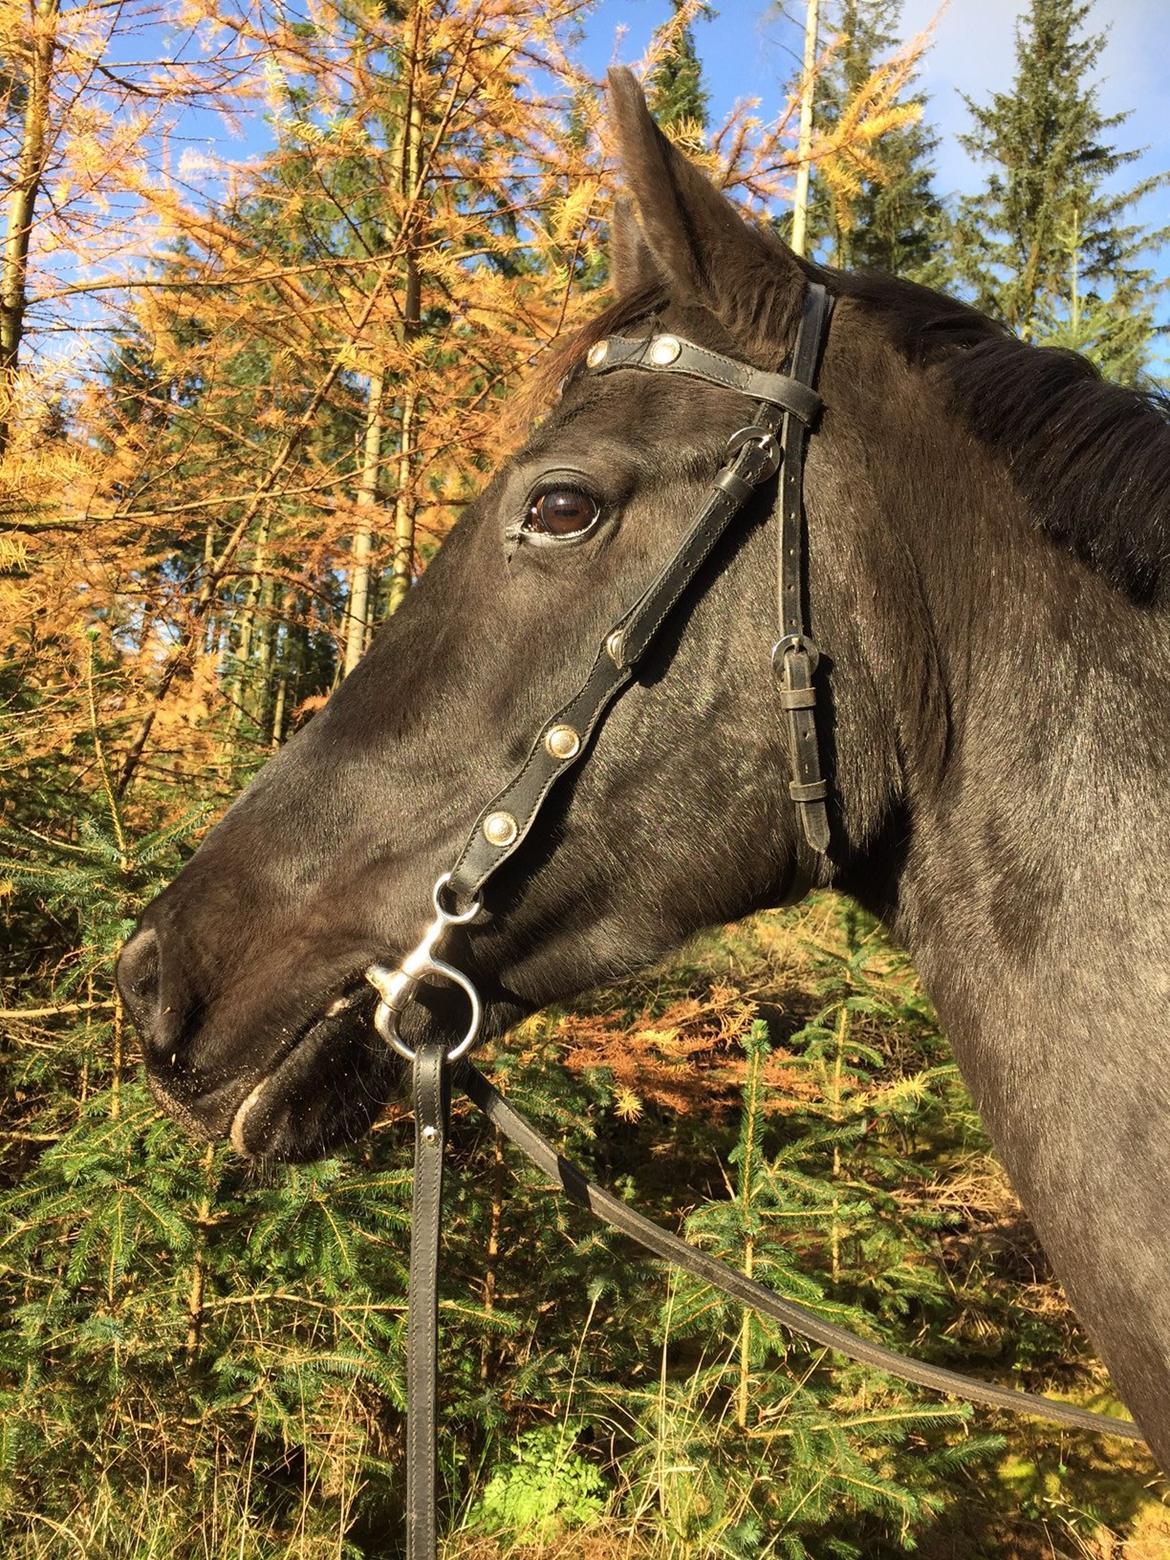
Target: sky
[{"x": 748, "y": 50}]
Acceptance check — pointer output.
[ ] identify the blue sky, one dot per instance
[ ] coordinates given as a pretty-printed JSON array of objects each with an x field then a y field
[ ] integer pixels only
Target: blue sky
[
  {"x": 748, "y": 51},
  {"x": 751, "y": 51}
]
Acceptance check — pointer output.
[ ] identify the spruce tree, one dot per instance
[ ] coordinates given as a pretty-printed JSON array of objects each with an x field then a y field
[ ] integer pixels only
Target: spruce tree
[
  {"x": 677, "y": 98},
  {"x": 893, "y": 220},
  {"x": 1050, "y": 245}
]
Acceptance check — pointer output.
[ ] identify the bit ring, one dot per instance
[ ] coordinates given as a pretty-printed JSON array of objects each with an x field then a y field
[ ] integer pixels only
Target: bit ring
[{"x": 396, "y": 988}]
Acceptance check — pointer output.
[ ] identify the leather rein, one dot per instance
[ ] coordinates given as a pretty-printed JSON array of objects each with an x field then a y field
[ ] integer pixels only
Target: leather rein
[{"x": 786, "y": 410}]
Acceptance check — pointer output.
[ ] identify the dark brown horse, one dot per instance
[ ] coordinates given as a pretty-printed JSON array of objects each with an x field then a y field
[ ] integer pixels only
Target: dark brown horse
[{"x": 988, "y": 579}]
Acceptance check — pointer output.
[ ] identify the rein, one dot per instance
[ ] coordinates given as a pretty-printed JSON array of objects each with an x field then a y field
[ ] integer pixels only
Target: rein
[{"x": 786, "y": 410}]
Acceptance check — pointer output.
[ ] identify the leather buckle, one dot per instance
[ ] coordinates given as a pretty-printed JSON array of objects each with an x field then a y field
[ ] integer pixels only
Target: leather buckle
[
  {"x": 794, "y": 644},
  {"x": 764, "y": 440}
]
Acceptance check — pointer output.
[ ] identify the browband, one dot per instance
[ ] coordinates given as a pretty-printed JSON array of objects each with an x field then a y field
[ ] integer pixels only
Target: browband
[{"x": 675, "y": 355}]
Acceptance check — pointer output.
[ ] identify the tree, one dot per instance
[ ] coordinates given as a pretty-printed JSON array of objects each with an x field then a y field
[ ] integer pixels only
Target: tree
[
  {"x": 1051, "y": 245},
  {"x": 675, "y": 88},
  {"x": 808, "y": 87},
  {"x": 35, "y": 144},
  {"x": 84, "y": 160},
  {"x": 855, "y": 116},
  {"x": 887, "y": 215}
]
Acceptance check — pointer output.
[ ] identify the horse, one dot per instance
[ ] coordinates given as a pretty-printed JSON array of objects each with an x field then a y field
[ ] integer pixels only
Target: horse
[{"x": 987, "y": 581}]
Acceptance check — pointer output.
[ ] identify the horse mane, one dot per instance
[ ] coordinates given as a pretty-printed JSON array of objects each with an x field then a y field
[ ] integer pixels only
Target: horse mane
[{"x": 1091, "y": 459}]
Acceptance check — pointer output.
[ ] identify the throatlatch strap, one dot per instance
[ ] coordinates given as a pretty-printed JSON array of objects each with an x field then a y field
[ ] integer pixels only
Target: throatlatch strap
[
  {"x": 429, "y": 1079},
  {"x": 796, "y": 1318}
]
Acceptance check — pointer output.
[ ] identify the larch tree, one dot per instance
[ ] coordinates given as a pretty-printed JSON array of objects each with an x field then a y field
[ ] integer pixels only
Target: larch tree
[
  {"x": 888, "y": 215},
  {"x": 852, "y": 109},
  {"x": 674, "y": 88},
  {"x": 31, "y": 52},
  {"x": 1054, "y": 243},
  {"x": 83, "y": 149},
  {"x": 357, "y": 322},
  {"x": 428, "y": 218}
]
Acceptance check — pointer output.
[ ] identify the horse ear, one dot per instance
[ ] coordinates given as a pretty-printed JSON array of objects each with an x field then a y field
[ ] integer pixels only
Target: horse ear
[
  {"x": 632, "y": 267},
  {"x": 702, "y": 248}
]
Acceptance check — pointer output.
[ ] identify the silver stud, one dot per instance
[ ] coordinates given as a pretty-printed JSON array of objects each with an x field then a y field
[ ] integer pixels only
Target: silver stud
[
  {"x": 430, "y": 1134},
  {"x": 562, "y": 742},
  {"x": 614, "y": 646},
  {"x": 597, "y": 354},
  {"x": 500, "y": 829},
  {"x": 664, "y": 350}
]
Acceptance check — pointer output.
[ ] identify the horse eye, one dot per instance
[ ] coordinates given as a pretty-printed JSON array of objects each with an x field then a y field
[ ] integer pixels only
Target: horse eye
[{"x": 561, "y": 512}]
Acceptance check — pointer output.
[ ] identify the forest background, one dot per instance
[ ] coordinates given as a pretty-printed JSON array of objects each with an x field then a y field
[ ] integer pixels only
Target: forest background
[{"x": 271, "y": 278}]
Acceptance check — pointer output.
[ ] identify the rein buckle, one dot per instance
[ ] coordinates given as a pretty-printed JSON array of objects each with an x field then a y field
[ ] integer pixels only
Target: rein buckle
[{"x": 795, "y": 644}]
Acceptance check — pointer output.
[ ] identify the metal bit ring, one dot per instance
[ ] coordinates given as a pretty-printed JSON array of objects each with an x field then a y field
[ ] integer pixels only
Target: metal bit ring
[{"x": 397, "y": 988}]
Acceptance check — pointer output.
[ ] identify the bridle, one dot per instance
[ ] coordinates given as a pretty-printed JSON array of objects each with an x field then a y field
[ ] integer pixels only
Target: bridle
[
  {"x": 786, "y": 410},
  {"x": 785, "y": 404}
]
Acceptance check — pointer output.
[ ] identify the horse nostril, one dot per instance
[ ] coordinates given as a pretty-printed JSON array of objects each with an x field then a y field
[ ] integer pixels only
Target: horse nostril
[{"x": 139, "y": 980}]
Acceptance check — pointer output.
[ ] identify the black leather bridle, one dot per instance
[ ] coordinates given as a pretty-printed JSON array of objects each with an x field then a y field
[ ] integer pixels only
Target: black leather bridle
[{"x": 786, "y": 409}]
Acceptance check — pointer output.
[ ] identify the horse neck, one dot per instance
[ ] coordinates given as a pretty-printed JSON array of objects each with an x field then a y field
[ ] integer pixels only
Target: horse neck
[
  {"x": 1002, "y": 726},
  {"x": 1002, "y": 731}
]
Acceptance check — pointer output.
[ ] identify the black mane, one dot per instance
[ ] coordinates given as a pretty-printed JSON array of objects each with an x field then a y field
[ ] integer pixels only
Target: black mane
[{"x": 1091, "y": 458}]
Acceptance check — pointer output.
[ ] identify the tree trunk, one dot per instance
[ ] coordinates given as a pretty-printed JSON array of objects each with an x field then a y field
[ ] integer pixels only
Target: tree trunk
[
  {"x": 278, "y": 713},
  {"x": 265, "y": 659},
  {"x": 402, "y": 561},
  {"x": 357, "y": 617},
  {"x": 34, "y": 152},
  {"x": 211, "y": 627},
  {"x": 804, "y": 145},
  {"x": 246, "y": 619}
]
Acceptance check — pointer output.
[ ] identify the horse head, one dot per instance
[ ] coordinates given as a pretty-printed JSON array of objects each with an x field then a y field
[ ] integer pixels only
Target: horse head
[{"x": 246, "y": 974}]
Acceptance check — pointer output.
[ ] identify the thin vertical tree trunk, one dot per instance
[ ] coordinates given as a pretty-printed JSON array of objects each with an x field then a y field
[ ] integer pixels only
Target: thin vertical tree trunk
[
  {"x": 402, "y": 559},
  {"x": 847, "y": 23},
  {"x": 180, "y": 656},
  {"x": 285, "y": 657},
  {"x": 278, "y": 713},
  {"x": 804, "y": 144},
  {"x": 265, "y": 655},
  {"x": 357, "y": 616},
  {"x": 246, "y": 620},
  {"x": 211, "y": 628},
  {"x": 22, "y": 200}
]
